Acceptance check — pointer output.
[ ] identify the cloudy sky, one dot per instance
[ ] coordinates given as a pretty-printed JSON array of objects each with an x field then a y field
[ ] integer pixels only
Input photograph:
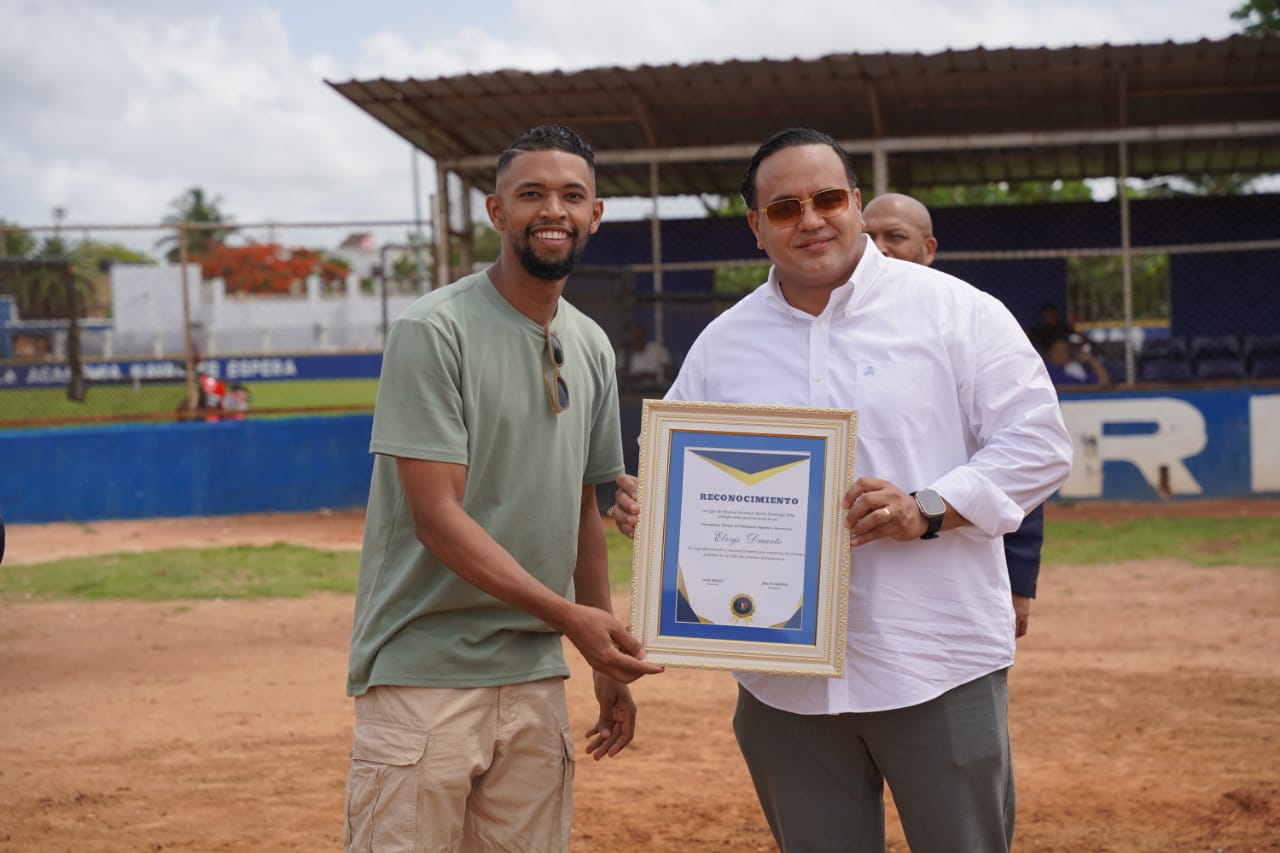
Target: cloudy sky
[{"x": 109, "y": 109}]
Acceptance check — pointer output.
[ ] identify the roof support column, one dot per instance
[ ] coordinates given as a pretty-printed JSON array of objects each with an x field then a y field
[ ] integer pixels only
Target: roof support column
[
  {"x": 1126, "y": 242},
  {"x": 879, "y": 154},
  {"x": 655, "y": 238},
  {"x": 467, "y": 237},
  {"x": 655, "y": 219},
  {"x": 879, "y": 170},
  {"x": 415, "y": 238},
  {"x": 440, "y": 233}
]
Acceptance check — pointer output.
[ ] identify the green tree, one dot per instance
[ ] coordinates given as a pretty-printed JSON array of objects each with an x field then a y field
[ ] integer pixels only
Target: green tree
[
  {"x": 1021, "y": 192},
  {"x": 92, "y": 261},
  {"x": 1096, "y": 287},
  {"x": 486, "y": 245},
  {"x": 45, "y": 285},
  {"x": 724, "y": 206},
  {"x": 196, "y": 208},
  {"x": 1260, "y": 16},
  {"x": 1171, "y": 186},
  {"x": 739, "y": 280},
  {"x": 16, "y": 244},
  {"x": 94, "y": 256}
]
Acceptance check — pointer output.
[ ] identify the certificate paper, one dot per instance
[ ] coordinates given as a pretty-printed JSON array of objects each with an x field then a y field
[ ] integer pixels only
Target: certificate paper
[
  {"x": 741, "y": 554},
  {"x": 741, "y": 557}
]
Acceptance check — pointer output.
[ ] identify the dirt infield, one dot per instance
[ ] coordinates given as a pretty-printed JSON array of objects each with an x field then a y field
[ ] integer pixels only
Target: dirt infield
[{"x": 1145, "y": 710}]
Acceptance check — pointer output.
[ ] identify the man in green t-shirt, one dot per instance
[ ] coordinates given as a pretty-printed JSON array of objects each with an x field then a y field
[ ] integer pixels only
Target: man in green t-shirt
[{"x": 496, "y": 417}]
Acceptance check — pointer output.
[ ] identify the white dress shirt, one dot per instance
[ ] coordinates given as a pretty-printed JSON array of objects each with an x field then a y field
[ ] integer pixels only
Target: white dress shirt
[{"x": 950, "y": 395}]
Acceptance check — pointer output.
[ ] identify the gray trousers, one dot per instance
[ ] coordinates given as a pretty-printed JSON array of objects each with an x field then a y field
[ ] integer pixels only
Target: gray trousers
[{"x": 820, "y": 778}]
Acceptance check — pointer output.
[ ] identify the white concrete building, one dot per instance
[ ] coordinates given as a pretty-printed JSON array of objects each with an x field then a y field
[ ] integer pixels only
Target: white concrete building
[{"x": 147, "y": 310}]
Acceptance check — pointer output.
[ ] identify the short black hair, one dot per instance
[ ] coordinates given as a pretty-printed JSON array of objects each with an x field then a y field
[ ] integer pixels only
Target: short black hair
[
  {"x": 786, "y": 139},
  {"x": 547, "y": 137}
]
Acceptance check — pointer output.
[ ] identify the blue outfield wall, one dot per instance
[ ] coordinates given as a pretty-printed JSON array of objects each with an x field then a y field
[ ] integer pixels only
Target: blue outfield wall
[
  {"x": 1135, "y": 446},
  {"x": 185, "y": 469},
  {"x": 1166, "y": 444}
]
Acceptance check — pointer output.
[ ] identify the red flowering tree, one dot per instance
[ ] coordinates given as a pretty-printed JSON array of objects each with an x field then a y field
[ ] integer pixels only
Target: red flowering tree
[{"x": 266, "y": 267}]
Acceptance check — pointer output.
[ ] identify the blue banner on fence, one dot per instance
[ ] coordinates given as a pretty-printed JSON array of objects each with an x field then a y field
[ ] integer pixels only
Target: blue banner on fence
[{"x": 250, "y": 368}]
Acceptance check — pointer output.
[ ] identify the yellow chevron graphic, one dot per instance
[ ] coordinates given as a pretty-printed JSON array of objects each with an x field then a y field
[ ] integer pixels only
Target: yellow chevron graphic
[{"x": 750, "y": 479}]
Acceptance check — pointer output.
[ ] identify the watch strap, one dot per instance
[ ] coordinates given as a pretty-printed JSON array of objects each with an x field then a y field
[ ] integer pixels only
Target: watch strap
[{"x": 935, "y": 524}]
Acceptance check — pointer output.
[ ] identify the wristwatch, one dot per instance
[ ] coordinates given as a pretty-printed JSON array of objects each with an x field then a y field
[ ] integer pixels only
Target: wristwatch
[{"x": 932, "y": 508}]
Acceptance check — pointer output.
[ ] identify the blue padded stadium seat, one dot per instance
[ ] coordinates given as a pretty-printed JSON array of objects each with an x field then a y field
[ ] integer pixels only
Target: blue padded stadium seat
[
  {"x": 1219, "y": 367},
  {"x": 1163, "y": 369},
  {"x": 1265, "y": 367},
  {"x": 1261, "y": 349},
  {"x": 1173, "y": 345},
  {"x": 1204, "y": 346}
]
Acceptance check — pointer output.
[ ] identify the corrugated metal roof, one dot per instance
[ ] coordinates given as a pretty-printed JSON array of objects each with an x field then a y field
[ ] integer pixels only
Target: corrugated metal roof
[{"x": 945, "y": 118}]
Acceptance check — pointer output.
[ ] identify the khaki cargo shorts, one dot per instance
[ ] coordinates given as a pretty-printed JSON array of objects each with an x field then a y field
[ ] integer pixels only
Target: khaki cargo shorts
[{"x": 461, "y": 769}]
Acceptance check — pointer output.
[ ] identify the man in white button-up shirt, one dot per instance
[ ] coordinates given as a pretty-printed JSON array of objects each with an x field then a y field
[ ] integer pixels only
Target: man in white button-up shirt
[
  {"x": 901, "y": 227},
  {"x": 956, "y": 419}
]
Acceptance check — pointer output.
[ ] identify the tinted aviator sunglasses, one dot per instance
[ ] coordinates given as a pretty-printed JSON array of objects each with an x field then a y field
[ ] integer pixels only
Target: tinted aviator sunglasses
[
  {"x": 826, "y": 203},
  {"x": 557, "y": 390}
]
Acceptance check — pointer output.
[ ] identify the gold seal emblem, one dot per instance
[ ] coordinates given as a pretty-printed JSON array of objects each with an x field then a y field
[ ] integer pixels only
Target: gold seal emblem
[{"x": 742, "y": 607}]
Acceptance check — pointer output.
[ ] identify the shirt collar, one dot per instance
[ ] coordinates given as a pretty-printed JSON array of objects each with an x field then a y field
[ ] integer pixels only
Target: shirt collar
[
  {"x": 844, "y": 296},
  {"x": 865, "y": 274}
]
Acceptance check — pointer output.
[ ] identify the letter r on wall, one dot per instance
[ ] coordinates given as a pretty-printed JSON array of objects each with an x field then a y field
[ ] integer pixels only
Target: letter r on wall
[{"x": 1168, "y": 432}]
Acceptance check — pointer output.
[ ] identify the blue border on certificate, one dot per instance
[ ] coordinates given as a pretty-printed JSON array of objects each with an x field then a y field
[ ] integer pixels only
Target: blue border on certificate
[{"x": 675, "y": 616}]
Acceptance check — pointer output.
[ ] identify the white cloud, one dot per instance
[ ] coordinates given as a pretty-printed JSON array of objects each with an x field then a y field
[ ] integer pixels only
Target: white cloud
[
  {"x": 153, "y": 105},
  {"x": 114, "y": 112}
]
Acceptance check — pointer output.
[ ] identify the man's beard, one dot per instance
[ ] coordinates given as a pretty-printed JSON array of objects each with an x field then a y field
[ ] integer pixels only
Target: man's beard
[{"x": 549, "y": 269}]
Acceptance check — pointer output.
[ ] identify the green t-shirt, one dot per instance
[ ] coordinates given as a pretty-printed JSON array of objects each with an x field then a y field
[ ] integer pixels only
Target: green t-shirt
[{"x": 463, "y": 381}]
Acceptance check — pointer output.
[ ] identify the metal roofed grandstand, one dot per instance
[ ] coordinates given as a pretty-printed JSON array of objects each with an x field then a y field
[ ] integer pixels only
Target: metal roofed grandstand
[{"x": 912, "y": 119}]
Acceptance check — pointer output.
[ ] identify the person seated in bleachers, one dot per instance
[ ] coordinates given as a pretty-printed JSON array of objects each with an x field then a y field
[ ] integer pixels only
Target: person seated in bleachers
[
  {"x": 646, "y": 362},
  {"x": 1050, "y": 327},
  {"x": 1071, "y": 361}
]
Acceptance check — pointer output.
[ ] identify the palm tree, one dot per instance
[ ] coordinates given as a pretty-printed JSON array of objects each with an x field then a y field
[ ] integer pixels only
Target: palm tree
[
  {"x": 45, "y": 285},
  {"x": 1259, "y": 16},
  {"x": 195, "y": 208}
]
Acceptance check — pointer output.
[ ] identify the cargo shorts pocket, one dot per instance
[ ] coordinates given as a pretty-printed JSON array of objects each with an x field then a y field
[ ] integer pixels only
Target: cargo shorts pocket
[
  {"x": 382, "y": 786},
  {"x": 564, "y": 813}
]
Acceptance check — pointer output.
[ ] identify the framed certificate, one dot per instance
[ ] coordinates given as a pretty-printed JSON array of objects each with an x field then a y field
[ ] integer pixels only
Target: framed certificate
[{"x": 741, "y": 557}]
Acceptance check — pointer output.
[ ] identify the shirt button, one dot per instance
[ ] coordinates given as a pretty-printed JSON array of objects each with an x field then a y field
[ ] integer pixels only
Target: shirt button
[{"x": 817, "y": 380}]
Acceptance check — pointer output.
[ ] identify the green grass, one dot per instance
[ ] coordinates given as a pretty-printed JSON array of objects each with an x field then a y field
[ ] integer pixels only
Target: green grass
[
  {"x": 619, "y": 558},
  {"x": 23, "y": 403},
  {"x": 117, "y": 401},
  {"x": 1199, "y": 541},
  {"x": 311, "y": 393},
  {"x": 244, "y": 571},
  {"x": 289, "y": 571}
]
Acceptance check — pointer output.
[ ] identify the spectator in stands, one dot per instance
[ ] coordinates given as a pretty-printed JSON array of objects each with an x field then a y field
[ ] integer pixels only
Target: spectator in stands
[
  {"x": 959, "y": 435},
  {"x": 646, "y": 362},
  {"x": 1071, "y": 361},
  {"x": 1, "y": 538},
  {"x": 1050, "y": 327},
  {"x": 497, "y": 415},
  {"x": 901, "y": 227}
]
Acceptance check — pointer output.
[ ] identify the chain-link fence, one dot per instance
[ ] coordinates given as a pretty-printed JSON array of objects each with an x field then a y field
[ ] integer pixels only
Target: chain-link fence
[
  {"x": 1188, "y": 297},
  {"x": 105, "y": 323}
]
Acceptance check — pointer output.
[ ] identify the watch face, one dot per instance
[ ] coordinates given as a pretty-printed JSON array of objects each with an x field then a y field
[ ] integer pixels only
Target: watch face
[{"x": 930, "y": 503}]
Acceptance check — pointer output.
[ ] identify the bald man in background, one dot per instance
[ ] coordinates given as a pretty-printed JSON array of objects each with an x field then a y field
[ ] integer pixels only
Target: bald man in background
[{"x": 901, "y": 228}]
